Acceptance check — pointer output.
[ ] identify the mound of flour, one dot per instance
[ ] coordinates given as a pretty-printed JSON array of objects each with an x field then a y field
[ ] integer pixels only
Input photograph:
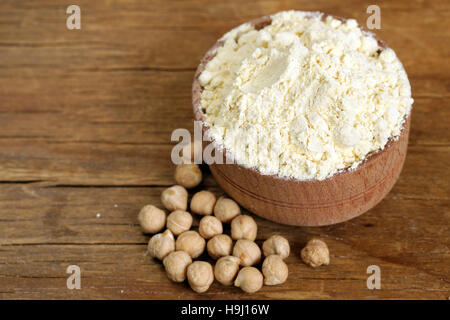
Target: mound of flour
[{"x": 303, "y": 97}]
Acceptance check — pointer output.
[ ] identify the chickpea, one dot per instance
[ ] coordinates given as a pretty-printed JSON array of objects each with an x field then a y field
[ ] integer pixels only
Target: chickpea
[
  {"x": 151, "y": 219},
  {"x": 188, "y": 175},
  {"x": 226, "y": 269},
  {"x": 175, "y": 198},
  {"x": 200, "y": 276},
  {"x": 276, "y": 245},
  {"x": 219, "y": 246},
  {"x": 176, "y": 264},
  {"x": 316, "y": 253},
  {"x": 191, "y": 242},
  {"x": 249, "y": 279},
  {"x": 161, "y": 244},
  {"x": 247, "y": 251},
  {"x": 203, "y": 202},
  {"x": 209, "y": 227},
  {"x": 275, "y": 270},
  {"x": 179, "y": 221},
  {"x": 244, "y": 227},
  {"x": 226, "y": 209}
]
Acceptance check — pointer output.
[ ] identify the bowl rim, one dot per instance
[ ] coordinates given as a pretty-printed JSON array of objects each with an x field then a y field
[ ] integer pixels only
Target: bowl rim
[{"x": 258, "y": 24}]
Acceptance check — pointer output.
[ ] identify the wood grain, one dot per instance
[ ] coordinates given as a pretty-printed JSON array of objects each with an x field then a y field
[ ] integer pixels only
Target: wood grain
[
  {"x": 54, "y": 227},
  {"x": 85, "y": 124}
]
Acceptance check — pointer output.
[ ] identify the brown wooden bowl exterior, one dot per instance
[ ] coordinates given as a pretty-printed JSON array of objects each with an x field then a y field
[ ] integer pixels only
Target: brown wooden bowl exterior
[{"x": 310, "y": 202}]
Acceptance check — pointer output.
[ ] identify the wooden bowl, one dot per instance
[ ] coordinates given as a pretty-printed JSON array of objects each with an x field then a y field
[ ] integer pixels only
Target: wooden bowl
[{"x": 339, "y": 198}]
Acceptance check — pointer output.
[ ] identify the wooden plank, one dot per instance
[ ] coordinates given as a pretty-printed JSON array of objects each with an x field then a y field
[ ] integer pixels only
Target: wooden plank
[
  {"x": 51, "y": 228},
  {"x": 110, "y": 32},
  {"x": 99, "y": 215},
  {"x": 87, "y": 164},
  {"x": 110, "y": 29},
  {"x": 42, "y": 276}
]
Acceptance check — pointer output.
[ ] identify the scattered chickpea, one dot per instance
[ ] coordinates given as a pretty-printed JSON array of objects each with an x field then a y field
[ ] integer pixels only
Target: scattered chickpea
[
  {"x": 179, "y": 221},
  {"x": 316, "y": 253},
  {"x": 151, "y": 219},
  {"x": 219, "y": 246},
  {"x": 161, "y": 244},
  {"x": 243, "y": 227},
  {"x": 275, "y": 270},
  {"x": 247, "y": 251},
  {"x": 226, "y": 269},
  {"x": 200, "y": 276},
  {"x": 276, "y": 245},
  {"x": 191, "y": 242},
  {"x": 226, "y": 209},
  {"x": 176, "y": 264},
  {"x": 177, "y": 254},
  {"x": 209, "y": 227},
  {"x": 249, "y": 279},
  {"x": 175, "y": 198},
  {"x": 203, "y": 202},
  {"x": 188, "y": 175}
]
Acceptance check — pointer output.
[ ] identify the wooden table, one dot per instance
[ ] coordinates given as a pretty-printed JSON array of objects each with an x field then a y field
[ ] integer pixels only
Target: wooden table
[{"x": 85, "y": 123}]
